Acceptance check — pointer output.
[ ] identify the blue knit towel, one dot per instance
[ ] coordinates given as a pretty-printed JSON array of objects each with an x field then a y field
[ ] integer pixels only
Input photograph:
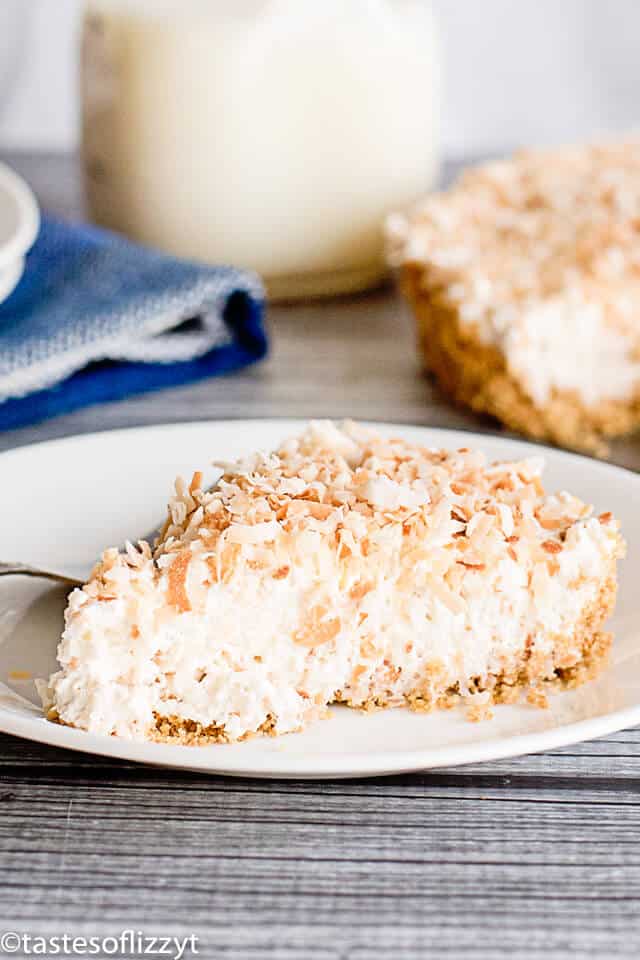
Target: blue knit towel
[{"x": 97, "y": 318}]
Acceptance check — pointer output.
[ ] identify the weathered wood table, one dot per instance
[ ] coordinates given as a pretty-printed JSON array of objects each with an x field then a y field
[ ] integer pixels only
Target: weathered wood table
[{"x": 532, "y": 857}]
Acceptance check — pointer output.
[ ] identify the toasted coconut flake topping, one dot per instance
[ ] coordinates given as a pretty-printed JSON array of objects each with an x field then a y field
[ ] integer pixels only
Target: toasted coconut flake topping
[
  {"x": 452, "y": 510},
  {"x": 351, "y": 496},
  {"x": 177, "y": 595},
  {"x": 517, "y": 232}
]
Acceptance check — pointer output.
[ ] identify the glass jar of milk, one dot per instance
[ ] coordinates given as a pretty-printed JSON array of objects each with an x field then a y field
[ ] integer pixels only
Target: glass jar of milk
[{"x": 271, "y": 134}]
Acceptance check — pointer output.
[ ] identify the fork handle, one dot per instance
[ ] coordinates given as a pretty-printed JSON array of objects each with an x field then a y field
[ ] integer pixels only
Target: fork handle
[{"x": 24, "y": 570}]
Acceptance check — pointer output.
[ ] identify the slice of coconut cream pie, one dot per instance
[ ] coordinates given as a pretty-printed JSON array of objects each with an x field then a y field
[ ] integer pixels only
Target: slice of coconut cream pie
[{"x": 344, "y": 567}]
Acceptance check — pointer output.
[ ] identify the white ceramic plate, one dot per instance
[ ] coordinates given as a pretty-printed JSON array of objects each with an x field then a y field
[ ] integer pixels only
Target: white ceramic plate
[{"x": 62, "y": 502}]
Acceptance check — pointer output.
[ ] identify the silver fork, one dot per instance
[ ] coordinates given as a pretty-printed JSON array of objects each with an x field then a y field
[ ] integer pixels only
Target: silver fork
[
  {"x": 24, "y": 570},
  {"x": 17, "y": 569}
]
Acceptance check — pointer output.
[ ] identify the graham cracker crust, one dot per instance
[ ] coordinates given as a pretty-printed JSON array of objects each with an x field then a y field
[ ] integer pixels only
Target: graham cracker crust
[
  {"x": 577, "y": 659},
  {"x": 474, "y": 374},
  {"x": 190, "y": 733}
]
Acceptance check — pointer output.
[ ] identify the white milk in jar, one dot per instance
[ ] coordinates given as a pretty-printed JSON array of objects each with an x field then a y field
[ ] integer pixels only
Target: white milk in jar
[{"x": 270, "y": 134}]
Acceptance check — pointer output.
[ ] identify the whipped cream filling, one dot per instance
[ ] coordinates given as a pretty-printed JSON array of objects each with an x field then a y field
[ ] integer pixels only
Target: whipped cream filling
[
  {"x": 241, "y": 655},
  {"x": 565, "y": 344}
]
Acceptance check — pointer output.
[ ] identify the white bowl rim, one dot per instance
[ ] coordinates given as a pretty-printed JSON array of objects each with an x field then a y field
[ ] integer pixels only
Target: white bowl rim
[
  {"x": 29, "y": 216},
  {"x": 10, "y": 277}
]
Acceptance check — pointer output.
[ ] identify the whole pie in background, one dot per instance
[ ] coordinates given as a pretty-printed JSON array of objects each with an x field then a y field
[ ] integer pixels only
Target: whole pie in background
[{"x": 524, "y": 278}]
